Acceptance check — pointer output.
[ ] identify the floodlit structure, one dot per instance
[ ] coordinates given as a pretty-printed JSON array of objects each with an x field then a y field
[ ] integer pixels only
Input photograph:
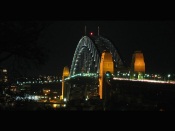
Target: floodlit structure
[
  {"x": 94, "y": 57},
  {"x": 65, "y": 75},
  {"x": 106, "y": 64},
  {"x": 137, "y": 65}
]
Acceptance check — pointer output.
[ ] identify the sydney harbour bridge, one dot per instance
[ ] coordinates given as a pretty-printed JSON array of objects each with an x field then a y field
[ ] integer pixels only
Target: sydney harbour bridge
[
  {"x": 95, "y": 65},
  {"x": 89, "y": 58}
]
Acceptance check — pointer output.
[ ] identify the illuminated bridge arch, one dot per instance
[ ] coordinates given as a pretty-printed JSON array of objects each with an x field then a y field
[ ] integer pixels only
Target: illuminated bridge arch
[{"x": 88, "y": 52}]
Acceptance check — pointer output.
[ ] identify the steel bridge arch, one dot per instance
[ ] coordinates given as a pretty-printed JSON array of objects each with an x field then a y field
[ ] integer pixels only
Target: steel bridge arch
[{"x": 88, "y": 54}]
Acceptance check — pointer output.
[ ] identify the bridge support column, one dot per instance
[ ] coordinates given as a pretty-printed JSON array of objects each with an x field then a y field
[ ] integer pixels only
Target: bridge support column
[
  {"x": 106, "y": 64},
  {"x": 137, "y": 65},
  {"x": 65, "y": 86}
]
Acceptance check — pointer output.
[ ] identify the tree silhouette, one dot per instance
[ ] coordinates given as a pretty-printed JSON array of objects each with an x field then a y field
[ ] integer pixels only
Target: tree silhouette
[{"x": 19, "y": 44}]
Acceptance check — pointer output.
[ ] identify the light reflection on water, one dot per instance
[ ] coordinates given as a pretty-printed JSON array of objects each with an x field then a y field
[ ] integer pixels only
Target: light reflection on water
[{"x": 55, "y": 106}]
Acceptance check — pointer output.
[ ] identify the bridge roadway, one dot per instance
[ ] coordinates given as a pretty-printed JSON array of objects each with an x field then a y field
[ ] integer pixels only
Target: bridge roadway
[
  {"x": 124, "y": 94},
  {"x": 141, "y": 95}
]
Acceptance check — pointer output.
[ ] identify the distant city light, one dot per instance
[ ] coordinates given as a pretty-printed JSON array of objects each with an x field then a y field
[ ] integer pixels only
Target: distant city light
[
  {"x": 65, "y": 99},
  {"x": 4, "y": 70}
]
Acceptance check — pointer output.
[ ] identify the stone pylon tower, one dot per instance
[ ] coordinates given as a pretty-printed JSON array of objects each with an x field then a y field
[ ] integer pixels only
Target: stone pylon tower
[
  {"x": 137, "y": 65},
  {"x": 65, "y": 75},
  {"x": 106, "y": 64}
]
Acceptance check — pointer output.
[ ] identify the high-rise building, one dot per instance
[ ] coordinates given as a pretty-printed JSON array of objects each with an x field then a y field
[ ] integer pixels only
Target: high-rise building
[
  {"x": 3, "y": 75},
  {"x": 3, "y": 80}
]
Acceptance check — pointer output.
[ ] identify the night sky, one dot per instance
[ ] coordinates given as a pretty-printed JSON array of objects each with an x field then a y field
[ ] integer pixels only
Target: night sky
[{"x": 156, "y": 39}]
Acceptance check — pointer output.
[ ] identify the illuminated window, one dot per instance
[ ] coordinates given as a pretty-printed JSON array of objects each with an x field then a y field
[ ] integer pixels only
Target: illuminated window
[{"x": 4, "y": 70}]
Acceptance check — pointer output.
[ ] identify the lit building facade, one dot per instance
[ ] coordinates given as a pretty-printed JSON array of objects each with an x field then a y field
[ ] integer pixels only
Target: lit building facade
[
  {"x": 3, "y": 75},
  {"x": 3, "y": 80}
]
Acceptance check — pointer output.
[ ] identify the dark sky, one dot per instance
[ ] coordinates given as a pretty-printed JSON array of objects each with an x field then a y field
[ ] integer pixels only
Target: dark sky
[{"x": 156, "y": 39}]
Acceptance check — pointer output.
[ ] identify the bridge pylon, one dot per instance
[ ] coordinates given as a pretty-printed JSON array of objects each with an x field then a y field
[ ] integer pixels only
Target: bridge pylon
[
  {"x": 64, "y": 87},
  {"x": 106, "y": 65},
  {"x": 137, "y": 65}
]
